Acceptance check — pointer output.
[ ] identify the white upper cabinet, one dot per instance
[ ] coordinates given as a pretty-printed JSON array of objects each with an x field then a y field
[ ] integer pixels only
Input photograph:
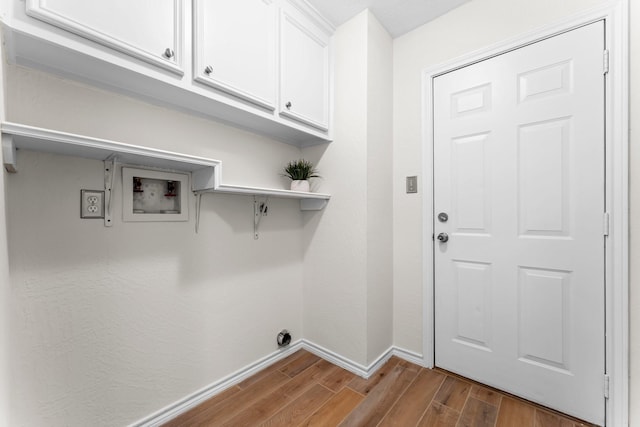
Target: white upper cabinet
[
  {"x": 149, "y": 30},
  {"x": 235, "y": 48},
  {"x": 262, "y": 65},
  {"x": 304, "y": 70}
]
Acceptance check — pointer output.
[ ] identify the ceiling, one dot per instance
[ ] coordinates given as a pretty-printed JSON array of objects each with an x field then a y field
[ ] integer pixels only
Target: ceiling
[{"x": 397, "y": 16}]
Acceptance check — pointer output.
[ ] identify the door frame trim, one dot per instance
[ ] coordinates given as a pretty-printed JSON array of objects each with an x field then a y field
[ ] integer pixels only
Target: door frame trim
[{"x": 615, "y": 14}]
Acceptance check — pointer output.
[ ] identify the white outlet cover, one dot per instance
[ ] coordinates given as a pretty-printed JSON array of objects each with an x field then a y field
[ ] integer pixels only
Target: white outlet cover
[{"x": 91, "y": 204}]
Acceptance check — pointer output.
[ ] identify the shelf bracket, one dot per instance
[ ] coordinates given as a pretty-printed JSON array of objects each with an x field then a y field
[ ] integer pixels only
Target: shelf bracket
[
  {"x": 198, "y": 195},
  {"x": 9, "y": 153},
  {"x": 260, "y": 209},
  {"x": 109, "y": 174}
]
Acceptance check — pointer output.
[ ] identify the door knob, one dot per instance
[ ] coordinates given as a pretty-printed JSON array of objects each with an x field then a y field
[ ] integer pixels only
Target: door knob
[
  {"x": 443, "y": 237},
  {"x": 168, "y": 53}
]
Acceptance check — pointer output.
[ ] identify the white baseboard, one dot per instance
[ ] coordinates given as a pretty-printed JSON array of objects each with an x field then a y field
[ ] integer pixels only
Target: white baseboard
[
  {"x": 194, "y": 399},
  {"x": 410, "y": 356},
  {"x": 343, "y": 362},
  {"x": 183, "y": 405}
]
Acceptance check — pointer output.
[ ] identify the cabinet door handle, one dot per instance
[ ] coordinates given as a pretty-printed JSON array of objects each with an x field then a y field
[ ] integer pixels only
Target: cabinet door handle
[
  {"x": 288, "y": 105},
  {"x": 168, "y": 53},
  {"x": 208, "y": 70}
]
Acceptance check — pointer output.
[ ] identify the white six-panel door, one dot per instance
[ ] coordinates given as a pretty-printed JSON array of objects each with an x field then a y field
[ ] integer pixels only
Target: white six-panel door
[{"x": 519, "y": 171}]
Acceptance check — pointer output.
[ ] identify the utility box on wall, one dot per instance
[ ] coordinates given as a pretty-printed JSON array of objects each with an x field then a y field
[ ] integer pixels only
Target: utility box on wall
[{"x": 150, "y": 195}]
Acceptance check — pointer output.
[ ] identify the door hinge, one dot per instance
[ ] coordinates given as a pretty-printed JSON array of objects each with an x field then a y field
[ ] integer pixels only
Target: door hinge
[
  {"x": 606, "y": 224},
  {"x": 605, "y": 61},
  {"x": 607, "y": 382}
]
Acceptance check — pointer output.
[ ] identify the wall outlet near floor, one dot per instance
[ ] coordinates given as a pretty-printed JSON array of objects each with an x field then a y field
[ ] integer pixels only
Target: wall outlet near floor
[{"x": 91, "y": 204}]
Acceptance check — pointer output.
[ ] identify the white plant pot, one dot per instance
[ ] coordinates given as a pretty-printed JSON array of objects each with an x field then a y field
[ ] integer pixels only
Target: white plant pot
[{"x": 300, "y": 185}]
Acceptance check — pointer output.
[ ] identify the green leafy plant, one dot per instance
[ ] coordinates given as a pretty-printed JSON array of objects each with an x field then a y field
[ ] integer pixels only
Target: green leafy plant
[{"x": 300, "y": 170}]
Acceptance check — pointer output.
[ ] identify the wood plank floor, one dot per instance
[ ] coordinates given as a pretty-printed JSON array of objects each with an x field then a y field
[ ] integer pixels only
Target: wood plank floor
[{"x": 305, "y": 390}]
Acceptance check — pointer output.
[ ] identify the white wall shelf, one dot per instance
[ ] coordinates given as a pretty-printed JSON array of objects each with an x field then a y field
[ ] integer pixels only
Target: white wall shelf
[
  {"x": 308, "y": 201},
  {"x": 17, "y": 136},
  {"x": 205, "y": 173}
]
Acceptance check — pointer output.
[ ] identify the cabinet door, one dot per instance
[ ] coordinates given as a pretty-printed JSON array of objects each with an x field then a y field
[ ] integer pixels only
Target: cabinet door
[
  {"x": 235, "y": 48},
  {"x": 149, "y": 30},
  {"x": 304, "y": 74}
]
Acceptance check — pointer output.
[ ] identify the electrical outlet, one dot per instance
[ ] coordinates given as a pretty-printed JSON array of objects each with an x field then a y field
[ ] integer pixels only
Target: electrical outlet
[{"x": 91, "y": 204}]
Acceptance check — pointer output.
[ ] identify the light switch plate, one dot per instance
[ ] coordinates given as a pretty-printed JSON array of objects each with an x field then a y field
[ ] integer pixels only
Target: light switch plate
[
  {"x": 412, "y": 184},
  {"x": 91, "y": 204}
]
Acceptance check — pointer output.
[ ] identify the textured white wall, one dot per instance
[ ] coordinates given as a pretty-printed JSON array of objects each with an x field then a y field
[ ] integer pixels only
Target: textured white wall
[
  {"x": 473, "y": 26},
  {"x": 335, "y": 305},
  {"x": 379, "y": 189},
  {"x": 634, "y": 193},
  {"x": 4, "y": 281},
  {"x": 348, "y": 287},
  {"x": 109, "y": 325}
]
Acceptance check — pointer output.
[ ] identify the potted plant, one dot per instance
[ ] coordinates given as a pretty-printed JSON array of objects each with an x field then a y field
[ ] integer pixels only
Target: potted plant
[{"x": 299, "y": 171}]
